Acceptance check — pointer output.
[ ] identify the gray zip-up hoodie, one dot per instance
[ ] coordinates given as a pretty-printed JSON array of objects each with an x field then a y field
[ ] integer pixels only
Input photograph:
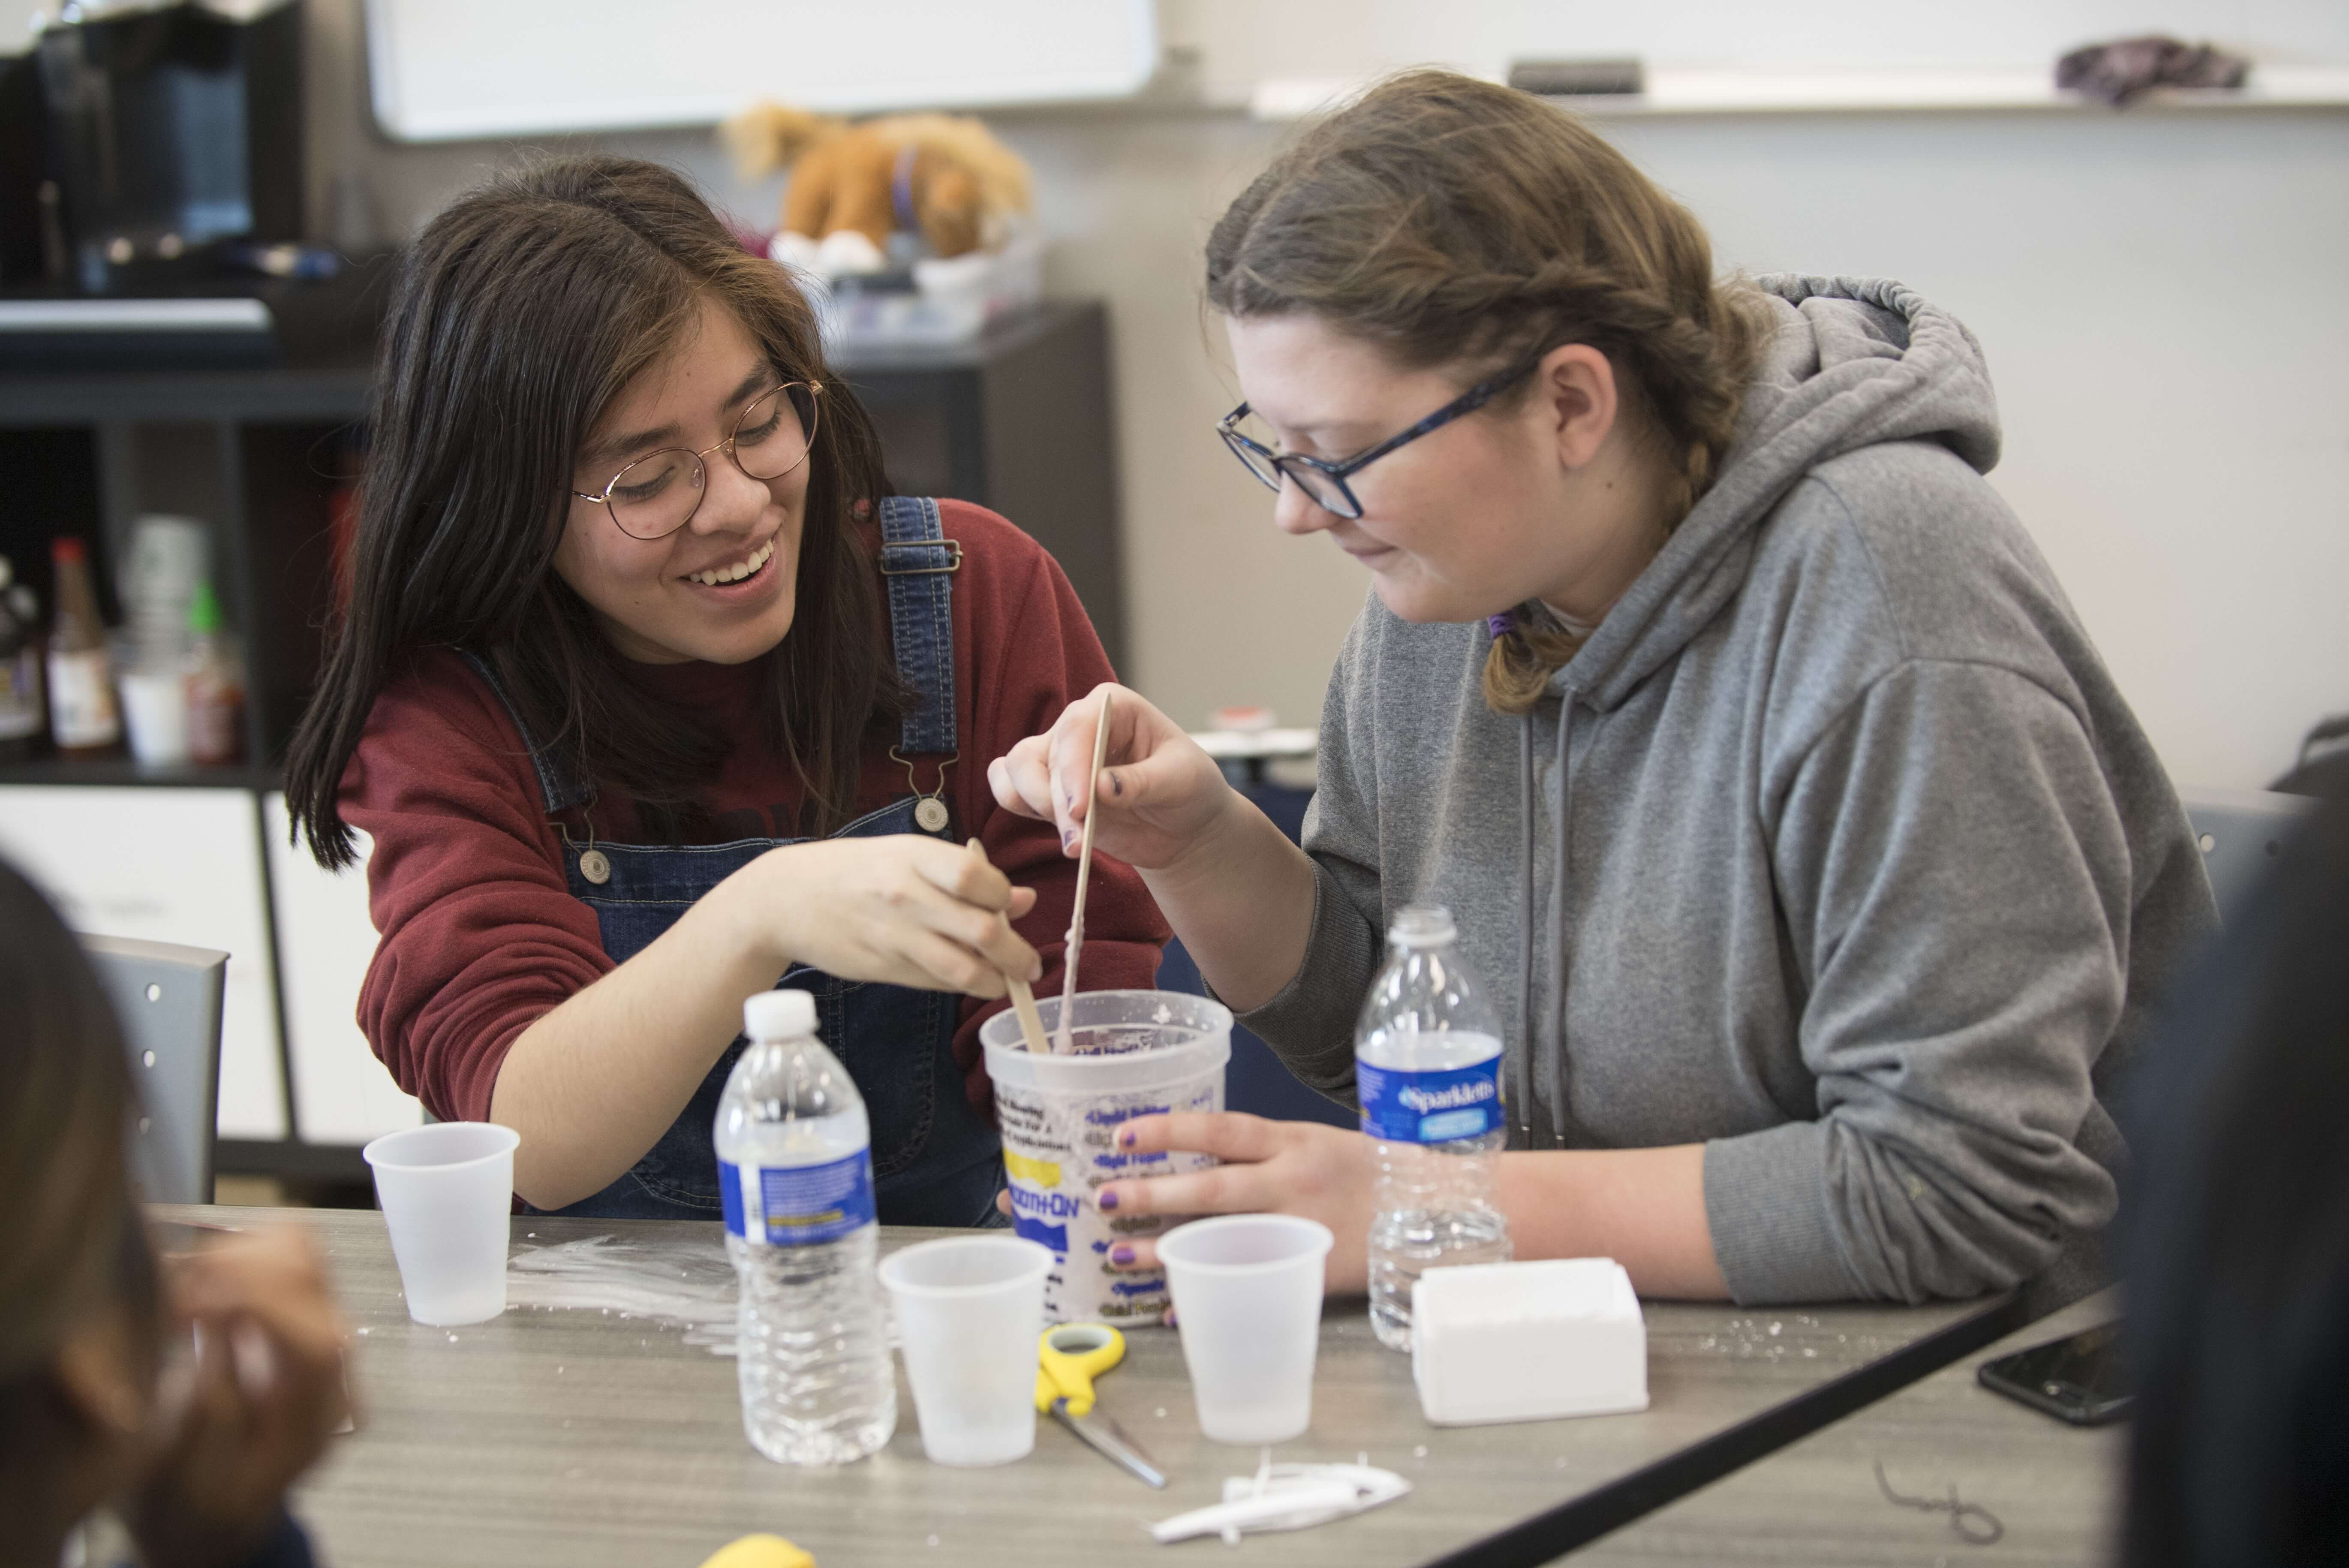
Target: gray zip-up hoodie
[{"x": 1838, "y": 850}]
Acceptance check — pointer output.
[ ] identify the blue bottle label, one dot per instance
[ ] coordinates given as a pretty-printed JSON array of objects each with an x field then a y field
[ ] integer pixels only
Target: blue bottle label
[
  {"x": 1041, "y": 1215},
  {"x": 1435, "y": 1107},
  {"x": 797, "y": 1205}
]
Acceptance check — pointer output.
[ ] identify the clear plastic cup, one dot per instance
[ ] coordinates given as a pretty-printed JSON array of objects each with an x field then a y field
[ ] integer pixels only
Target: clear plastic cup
[
  {"x": 968, "y": 1312},
  {"x": 1247, "y": 1302},
  {"x": 447, "y": 1192},
  {"x": 155, "y": 709},
  {"x": 1134, "y": 1053}
]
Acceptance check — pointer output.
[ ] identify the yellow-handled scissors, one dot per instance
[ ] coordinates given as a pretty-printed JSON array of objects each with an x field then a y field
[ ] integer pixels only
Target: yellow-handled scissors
[{"x": 1068, "y": 1360}]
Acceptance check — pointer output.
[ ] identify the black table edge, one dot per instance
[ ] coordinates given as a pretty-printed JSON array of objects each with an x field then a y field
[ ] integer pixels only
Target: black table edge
[{"x": 1548, "y": 1535}]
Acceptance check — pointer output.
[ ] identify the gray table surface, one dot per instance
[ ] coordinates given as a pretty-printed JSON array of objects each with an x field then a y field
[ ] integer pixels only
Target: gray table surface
[
  {"x": 2054, "y": 1490},
  {"x": 574, "y": 1438}
]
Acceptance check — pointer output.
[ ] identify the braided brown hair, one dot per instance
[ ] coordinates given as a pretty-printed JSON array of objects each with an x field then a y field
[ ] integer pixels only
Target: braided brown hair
[{"x": 1456, "y": 223}]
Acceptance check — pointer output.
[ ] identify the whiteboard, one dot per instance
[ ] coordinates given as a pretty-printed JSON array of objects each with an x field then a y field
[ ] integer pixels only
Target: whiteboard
[{"x": 444, "y": 71}]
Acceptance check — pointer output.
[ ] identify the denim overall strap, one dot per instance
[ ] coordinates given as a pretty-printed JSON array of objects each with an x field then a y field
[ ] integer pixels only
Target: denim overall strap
[
  {"x": 556, "y": 782},
  {"x": 918, "y": 563}
]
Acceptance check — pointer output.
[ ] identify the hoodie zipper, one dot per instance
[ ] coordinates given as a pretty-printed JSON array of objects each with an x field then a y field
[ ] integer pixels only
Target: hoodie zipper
[
  {"x": 1521, "y": 1079},
  {"x": 1548, "y": 1035},
  {"x": 1565, "y": 837}
]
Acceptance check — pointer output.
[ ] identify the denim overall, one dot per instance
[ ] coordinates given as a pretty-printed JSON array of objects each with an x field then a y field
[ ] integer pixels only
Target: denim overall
[{"x": 936, "y": 1161}]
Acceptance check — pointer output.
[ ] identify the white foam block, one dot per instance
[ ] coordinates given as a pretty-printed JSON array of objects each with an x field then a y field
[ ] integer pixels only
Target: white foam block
[{"x": 1527, "y": 1342}]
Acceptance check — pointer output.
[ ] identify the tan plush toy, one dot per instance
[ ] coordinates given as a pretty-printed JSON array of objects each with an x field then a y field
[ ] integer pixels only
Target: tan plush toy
[{"x": 943, "y": 176}]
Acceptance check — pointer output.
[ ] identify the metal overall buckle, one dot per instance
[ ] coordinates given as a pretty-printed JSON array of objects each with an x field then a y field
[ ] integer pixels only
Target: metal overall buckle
[
  {"x": 929, "y": 810},
  {"x": 594, "y": 864},
  {"x": 953, "y": 547}
]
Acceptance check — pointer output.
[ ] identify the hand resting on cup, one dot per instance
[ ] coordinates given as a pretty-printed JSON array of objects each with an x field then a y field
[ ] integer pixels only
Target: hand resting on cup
[{"x": 1307, "y": 1168}]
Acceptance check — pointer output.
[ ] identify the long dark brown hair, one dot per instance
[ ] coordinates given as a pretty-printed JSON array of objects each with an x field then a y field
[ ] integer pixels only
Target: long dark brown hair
[
  {"x": 71, "y": 1243},
  {"x": 521, "y": 313},
  {"x": 1457, "y": 224}
]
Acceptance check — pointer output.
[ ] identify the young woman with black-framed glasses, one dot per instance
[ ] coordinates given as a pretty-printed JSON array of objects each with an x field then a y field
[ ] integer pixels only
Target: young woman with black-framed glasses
[{"x": 649, "y": 695}]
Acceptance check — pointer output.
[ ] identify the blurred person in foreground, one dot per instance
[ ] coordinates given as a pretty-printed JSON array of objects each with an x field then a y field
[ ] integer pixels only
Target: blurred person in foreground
[
  {"x": 2236, "y": 1234},
  {"x": 99, "y": 1403}
]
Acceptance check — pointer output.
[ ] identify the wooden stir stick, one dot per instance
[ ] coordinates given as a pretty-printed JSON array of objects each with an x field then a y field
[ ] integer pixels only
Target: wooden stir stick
[
  {"x": 1084, "y": 877},
  {"x": 1023, "y": 1001}
]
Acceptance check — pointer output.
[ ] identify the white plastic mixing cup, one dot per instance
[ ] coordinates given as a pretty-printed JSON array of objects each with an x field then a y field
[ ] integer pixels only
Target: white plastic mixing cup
[
  {"x": 968, "y": 1312},
  {"x": 446, "y": 1192},
  {"x": 1247, "y": 1302},
  {"x": 1136, "y": 1053}
]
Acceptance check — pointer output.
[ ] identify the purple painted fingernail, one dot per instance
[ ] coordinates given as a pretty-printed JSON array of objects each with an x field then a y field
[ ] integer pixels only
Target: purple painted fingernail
[
  {"x": 1125, "y": 1137},
  {"x": 1121, "y": 1255},
  {"x": 1108, "y": 1199},
  {"x": 1068, "y": 837},
  {"x": 1116, "y": 785}
]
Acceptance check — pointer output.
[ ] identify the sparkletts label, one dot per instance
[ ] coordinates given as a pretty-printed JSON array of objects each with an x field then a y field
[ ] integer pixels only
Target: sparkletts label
[{"x": 1430, "y": 1108}]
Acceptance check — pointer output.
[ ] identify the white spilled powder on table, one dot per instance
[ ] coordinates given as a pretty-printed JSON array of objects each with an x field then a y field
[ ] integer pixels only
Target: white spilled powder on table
[{"x": 692, "y": 1290}]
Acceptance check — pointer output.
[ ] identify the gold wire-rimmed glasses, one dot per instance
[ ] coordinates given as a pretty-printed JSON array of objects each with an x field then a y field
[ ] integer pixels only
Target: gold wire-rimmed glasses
[{"x": 658, "y": 494}]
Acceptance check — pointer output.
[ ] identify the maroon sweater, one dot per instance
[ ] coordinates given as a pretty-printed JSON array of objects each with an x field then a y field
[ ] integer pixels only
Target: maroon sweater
[{"x": 480, "y": 934}]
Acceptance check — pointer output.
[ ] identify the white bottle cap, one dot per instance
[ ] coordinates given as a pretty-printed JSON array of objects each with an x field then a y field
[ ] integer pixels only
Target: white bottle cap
[
  {"x": 1421, "y": 926},
  {"x": 778, "y": 1015}
]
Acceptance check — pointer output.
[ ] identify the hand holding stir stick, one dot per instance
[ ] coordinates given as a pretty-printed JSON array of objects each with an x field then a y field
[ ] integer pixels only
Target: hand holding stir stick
[
  {"x": 1084, "y": 877},
  {"x": 1023, "y": 1001}
]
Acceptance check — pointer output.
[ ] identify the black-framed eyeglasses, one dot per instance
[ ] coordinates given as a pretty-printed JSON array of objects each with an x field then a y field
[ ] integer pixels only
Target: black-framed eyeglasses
[
  {"x": 1324, "y": 482},
  {"x": 658, "y": 494}
]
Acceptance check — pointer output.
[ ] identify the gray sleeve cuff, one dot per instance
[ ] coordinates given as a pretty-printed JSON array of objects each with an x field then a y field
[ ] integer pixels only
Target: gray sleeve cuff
[
  {"x": 1766, "y": 1199},
  {"x": 1310, "y": 1023}
]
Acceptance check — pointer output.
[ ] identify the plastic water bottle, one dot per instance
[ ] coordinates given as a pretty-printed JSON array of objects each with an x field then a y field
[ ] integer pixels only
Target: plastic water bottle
[
  {"x": 795, "y": 1169},
  {"x": 1427, "y": 1068}
]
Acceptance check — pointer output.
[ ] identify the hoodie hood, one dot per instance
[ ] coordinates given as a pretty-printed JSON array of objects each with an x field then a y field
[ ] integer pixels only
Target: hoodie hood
[{"x": 1854, "y": 362}]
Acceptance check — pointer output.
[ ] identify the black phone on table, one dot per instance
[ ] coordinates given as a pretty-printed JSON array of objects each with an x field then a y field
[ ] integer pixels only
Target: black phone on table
[{"x": 2081, "y": 1379}]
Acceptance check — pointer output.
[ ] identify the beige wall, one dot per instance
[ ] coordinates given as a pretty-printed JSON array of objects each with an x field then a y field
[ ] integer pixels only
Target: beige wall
[{"x": 2159, "y": 296}]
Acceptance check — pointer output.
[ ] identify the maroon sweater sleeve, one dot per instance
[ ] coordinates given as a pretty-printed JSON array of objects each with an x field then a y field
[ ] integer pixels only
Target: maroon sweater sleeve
[
  {"x": 1026, "y": 652},
  {"x": 478, "y": 935}
]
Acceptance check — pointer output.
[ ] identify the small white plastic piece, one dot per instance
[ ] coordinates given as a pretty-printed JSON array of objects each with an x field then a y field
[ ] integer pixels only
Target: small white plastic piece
[
  {"x": 778, "y": 1015},
  {"x": 1284, "y": 1497},
  {"x": 1527, "y": 1342}
]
